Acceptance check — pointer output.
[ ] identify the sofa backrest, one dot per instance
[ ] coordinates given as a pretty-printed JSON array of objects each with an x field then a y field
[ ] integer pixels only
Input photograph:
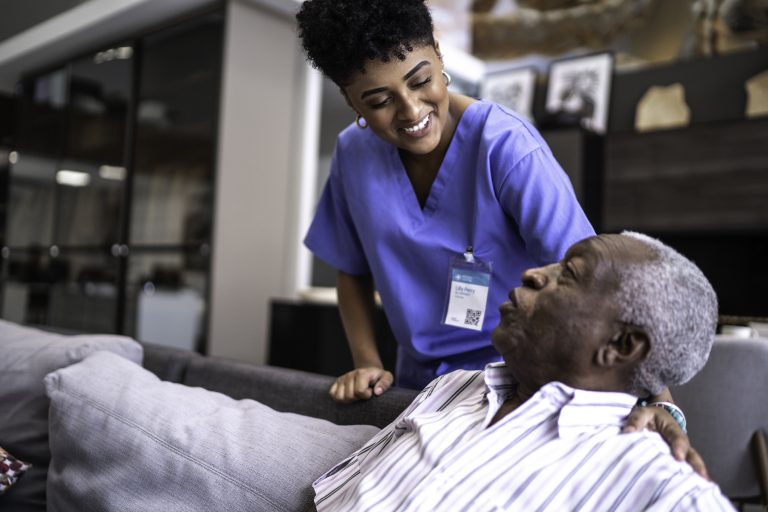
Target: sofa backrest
[
  {"x": 170, "y": 364},
  {"x": 282, "y": 389}
]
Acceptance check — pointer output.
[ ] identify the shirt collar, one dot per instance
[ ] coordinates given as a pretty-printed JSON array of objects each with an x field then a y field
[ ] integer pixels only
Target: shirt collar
[{"x": 581, "y": 411}]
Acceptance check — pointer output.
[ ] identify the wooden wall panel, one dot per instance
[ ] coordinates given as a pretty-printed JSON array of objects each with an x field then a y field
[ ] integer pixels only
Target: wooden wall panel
[{"x": 703, "y": 178}]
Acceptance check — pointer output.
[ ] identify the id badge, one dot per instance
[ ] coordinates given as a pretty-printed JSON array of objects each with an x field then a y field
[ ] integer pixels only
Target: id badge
[{"x": 467, "y": 298}]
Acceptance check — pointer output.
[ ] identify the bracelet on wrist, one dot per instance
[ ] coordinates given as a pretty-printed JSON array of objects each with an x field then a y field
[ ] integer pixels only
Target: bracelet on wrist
[{"x": 673, "y": 410}]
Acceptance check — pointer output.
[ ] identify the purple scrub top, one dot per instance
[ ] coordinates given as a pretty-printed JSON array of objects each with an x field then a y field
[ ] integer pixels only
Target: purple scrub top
[{"x": 499, "y": 189}]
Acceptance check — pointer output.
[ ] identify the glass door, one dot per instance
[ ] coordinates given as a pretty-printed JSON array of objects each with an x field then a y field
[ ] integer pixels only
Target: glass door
[
  {"x": 90, "y": 178},
  {"x": 110, "y": 202},
  {"x": 32, "y": 178},
  {"x": 172, "y": 188},
  {"x": 63, "y": 257}
]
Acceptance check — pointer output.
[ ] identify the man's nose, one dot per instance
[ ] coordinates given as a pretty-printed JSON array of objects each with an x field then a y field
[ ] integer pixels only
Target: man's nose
[{"x": 535, "y": 278}]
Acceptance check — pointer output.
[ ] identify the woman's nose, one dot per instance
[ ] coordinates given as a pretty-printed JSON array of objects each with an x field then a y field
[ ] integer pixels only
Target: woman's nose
[{"x": 409, "y": 108}]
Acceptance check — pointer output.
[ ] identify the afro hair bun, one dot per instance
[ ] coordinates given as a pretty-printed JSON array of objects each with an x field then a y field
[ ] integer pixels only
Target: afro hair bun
[{"x": 340, "y": 36}]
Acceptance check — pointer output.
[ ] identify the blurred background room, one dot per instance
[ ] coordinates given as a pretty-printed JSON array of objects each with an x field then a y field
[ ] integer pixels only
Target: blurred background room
[{"x": 160, "y": 160}]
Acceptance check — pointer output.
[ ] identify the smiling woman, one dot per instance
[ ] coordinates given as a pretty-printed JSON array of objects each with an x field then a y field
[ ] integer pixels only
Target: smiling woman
[
  {"x": 425, "y": 182},
  {"x": 403, "y": 103}
]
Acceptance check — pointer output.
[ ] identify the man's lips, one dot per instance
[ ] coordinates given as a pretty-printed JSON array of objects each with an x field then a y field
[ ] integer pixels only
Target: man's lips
[
  {"x": 511, "y": 304},
  {"x": 513, "y": 297}
]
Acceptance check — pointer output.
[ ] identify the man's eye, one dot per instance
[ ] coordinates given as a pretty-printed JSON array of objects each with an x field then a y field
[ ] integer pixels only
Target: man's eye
[{"x": 567, "y": 271}]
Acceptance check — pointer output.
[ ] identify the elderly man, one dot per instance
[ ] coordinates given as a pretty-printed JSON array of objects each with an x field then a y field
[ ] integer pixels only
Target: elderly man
[{"x": 621, "y": 317}]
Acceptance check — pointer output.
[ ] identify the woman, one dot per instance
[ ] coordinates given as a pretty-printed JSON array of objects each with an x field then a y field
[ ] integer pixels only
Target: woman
[{"x": 425, "y": 182}]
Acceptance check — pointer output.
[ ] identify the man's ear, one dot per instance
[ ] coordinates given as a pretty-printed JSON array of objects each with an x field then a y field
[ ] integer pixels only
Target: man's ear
[{"x": 628, "y": 346}]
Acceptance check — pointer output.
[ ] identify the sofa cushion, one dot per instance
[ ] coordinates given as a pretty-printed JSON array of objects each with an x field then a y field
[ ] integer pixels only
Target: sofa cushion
[
  {"x": 27, "y": 356},
  {"x": 122, "y": 439},
  {"x": 294, "y": 391}
]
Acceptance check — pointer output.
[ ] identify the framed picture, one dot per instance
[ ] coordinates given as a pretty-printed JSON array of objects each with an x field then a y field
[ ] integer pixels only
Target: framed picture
[
  {"x": 514, "y": 89},
  {"x": 581, "y": 87}
]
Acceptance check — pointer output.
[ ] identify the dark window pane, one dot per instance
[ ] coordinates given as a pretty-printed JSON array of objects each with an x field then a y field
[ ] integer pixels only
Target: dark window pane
[
  {"x": 92, "y": 170},
  {"x": 42, "y": 103},
  {"x": 7, "y": 129},
  {"x": 176, "y": 135},
  {"x": 72, "y": 291}
]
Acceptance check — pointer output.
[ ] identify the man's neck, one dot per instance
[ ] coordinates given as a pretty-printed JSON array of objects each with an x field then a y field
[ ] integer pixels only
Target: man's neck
[{"x": 518, "y": 398}]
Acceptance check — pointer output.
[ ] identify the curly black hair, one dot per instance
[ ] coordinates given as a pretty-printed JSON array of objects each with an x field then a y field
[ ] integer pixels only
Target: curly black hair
[{"x": 340, "y": 36}]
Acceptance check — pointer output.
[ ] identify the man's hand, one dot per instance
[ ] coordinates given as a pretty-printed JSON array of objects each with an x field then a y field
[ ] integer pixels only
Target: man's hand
[
  {"x": 656, "y": 419},
  {"x": 361, "y": 384}
]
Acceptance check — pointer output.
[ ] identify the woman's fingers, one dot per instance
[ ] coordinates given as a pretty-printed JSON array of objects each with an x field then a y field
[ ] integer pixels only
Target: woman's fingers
[{"x": 361, "y": 384}]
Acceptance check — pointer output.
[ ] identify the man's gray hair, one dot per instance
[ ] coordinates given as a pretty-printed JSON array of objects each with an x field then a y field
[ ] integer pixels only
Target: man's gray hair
[{"x": 672, "y": 301}]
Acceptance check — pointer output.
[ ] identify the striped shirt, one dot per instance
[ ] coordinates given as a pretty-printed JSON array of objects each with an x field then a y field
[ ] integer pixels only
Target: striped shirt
[{"x": 560, "y": 450}]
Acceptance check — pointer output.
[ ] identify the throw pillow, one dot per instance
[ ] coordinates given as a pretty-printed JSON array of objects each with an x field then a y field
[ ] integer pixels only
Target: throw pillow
[
  {"x": 27, "y": 356},
  {"x": 11, "y": 470},
  {"x": 125, "y": 440}
]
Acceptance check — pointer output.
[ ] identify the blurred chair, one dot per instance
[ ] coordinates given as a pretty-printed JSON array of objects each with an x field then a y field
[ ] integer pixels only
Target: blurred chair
[{"x": 726, "y": 406}]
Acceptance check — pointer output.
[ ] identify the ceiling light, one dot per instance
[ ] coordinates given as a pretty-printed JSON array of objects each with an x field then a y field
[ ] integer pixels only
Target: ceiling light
[
  {"x": 112, "y": 172},
  {"x": 72, "y": 178},
  {"x": 124, "y": 52}
]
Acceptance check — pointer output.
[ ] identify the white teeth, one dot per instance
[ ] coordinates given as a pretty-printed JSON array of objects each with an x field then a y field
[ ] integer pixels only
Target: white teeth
[{"x": 418, "y": 127}]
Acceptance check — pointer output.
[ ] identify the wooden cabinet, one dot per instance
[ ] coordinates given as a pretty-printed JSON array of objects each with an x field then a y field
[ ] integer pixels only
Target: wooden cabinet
[
  {"x": 705, "y": 178},
  {"x": 309, "y": 336}
]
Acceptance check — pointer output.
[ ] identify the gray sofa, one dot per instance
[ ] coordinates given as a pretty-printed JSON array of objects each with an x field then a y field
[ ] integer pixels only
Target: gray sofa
[
  {"x": 179, "y": 433},
  {"x": 105, "y": 434}
]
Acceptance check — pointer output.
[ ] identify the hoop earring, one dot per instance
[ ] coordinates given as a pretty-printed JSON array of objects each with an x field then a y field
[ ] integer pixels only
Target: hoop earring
[
  {"x": 447, "y": 78},
  {"x": 359, "y": 124}
]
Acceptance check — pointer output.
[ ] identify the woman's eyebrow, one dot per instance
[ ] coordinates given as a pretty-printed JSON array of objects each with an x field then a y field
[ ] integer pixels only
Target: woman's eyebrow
[
  {"x": 372, "y": 91},
  {"x": 415, "y": 69},
  {"x": 406, "y": 77}
]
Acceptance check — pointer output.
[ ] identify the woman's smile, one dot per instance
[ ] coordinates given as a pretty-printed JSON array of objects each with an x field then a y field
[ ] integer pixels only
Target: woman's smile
[
  {"x": 405, "y": 102},
  {"x": 420, "y": 129}
]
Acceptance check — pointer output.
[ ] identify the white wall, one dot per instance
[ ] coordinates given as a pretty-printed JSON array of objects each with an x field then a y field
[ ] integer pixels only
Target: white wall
[{"x": 269, "y": 108}]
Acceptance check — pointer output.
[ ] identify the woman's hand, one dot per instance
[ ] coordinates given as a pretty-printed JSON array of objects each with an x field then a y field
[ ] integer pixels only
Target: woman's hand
[
  {"x": 361, "y": 384},
  {"x": 656, "y": 419}
]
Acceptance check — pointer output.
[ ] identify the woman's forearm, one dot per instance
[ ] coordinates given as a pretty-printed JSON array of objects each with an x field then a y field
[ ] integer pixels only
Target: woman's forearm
[{"x": 356, "y": 306}]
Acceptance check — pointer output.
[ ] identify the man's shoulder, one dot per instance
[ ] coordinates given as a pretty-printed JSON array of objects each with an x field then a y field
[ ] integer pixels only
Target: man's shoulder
[
  {"x": 454, "y": 386},
  {"x": 679, "y": 486},
  {"x": 650, "y": 446},
  {"x": 641, "y": 464},
  {"x": 458, "y": 378}
]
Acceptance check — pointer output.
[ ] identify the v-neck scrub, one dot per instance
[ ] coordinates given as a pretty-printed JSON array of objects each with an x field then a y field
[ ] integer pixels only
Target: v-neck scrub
[{"x": 499, "y": 189}]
